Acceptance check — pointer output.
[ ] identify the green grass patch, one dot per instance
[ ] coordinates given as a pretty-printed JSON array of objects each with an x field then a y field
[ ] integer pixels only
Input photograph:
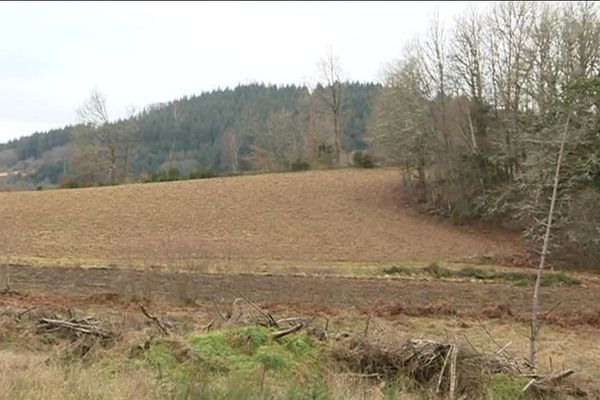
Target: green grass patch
[
  {"x": 505, "y": 387},
  {"x": 234, "y": 363},
  {"x": 517, "y": 278},
  {"x": 241, "y": 350},
  {"x": 162, "y": 358},
  {"x": 249, "y": 347}
]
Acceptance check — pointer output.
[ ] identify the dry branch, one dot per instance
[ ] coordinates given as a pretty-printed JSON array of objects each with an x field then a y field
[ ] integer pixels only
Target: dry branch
[
  {"x": 285, "y": 332},
  {"x": 159, "y": 324},
  {"x": 449, "y": 369},
  {"x": 19, "y": 315},
  {"x": 270, "y": 320},
  {"x": 206, "y": 328},
  {"x": 542, "y": 383},
  {"x": 77, "y": 327}
]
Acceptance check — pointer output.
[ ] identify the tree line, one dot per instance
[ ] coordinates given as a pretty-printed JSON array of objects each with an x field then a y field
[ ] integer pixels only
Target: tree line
[
  {"x": 254, "y": 127},
  {"x": 474, "y": 113}
]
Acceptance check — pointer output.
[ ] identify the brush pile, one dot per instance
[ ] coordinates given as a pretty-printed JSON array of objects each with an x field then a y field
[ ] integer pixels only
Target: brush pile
[
  {"x": 447, "y": 369},
  {"x": 75, "y": 327}
]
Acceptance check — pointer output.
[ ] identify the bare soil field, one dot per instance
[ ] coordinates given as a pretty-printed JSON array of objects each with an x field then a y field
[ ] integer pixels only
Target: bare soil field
[
  {"x": 315, "y": 216},
  {"x": 579, "y": 305}
]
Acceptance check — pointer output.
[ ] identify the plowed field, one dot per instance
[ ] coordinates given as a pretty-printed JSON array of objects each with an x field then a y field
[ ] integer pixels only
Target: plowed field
[{"x": 316, "y": 216}]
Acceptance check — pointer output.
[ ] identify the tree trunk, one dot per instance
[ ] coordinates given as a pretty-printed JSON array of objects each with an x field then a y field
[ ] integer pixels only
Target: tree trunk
[
  {"x": 336, "y": 129},
  {"x": 113, "y": 165},
  {"x": 126, "y": 164},
  {"x": 535, "y": 322}
]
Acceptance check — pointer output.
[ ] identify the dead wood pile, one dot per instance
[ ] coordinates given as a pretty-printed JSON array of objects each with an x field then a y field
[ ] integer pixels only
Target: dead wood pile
[
  {"x": 75, "y": 327},
  {"x": 447, "y": 369}
]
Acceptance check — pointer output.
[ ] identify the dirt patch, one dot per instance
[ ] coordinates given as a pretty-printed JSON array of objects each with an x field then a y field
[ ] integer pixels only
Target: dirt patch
[
  {"x": 339, "y": 215},
  {"x": 579, "y": 305}
]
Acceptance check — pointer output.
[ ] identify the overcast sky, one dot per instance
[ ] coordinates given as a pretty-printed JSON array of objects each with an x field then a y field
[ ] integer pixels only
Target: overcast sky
[{"x": 53, "y": 54}]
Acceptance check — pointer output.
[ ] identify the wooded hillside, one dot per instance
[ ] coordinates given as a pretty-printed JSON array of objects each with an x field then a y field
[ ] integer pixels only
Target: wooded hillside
[{"x": 248, "y": 128}]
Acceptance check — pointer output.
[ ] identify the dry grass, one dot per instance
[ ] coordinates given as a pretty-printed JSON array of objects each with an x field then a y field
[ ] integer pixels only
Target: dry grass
[
  {"x": 110, "y": 373},
  {"x": 316, "y": 216},
  {"x": 559, "y": 347},
  {"x": 27, "y": 376}
]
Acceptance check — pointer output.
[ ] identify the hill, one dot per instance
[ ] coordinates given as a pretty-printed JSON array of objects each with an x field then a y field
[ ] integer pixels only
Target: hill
[
  {"x": 250, "y": 127},
  {"x": 315, "y": 216}
]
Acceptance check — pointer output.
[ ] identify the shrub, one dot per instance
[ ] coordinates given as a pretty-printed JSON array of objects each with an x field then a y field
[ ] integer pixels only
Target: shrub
[
  {"x": 68, "y": 183},
  {"x": 516, "y": 278},
  {"x": 437, "y": 271},
  {"x": 325, "y": 154},
  {"x": 504, "y": 387},
  {"x": 172, "y": 174},
  {"x": 362, "y": 160},
  {"x": 300, "y": 165},
  {"x": 398, "y": 270},
  {"x": 202, "y": 173}
]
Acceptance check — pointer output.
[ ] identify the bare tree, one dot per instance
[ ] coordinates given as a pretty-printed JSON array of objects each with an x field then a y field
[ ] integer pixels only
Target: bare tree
[
  {"x": 433, "y": 57},
  {"x": 101, "y": 145},
  {"x": 401, "y": 129},
  {"x": 176, "y": 118},
  {"x": 129, "y": 129},
  {"x": 94, "y": 113},
  {"x": 535, "y": 316},
  {"x": 282, "y": 139},
  {"x": 330, "y": 72},
  {"x": 230, "y": 151},
  {"x": 466, "y": 57}
]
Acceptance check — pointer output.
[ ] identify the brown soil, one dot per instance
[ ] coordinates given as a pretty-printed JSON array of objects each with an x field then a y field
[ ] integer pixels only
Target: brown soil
[
  {"x": 384, "y": 297},
  {"x": 339, "y": 215}
]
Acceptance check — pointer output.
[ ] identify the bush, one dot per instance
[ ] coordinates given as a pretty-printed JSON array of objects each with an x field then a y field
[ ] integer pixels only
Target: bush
[
  {"x": 516, "y": 278},
  {"x": 173, "y": 174},
  {"x": 68, "y": 183},
  {"x": 398, "y": 270},
  {"x": 202, "y": 173},
  {"x": 362, "y": 160},
  {"x": 300, "y": 165},
  {"x": 325, "y": 154},
  {"x": 437, "y": 271}
]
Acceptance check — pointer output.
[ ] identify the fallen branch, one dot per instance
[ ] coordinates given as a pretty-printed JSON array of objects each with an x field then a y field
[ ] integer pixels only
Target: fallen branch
[
  {"x": 219, "y": 311},
  {"x": 531, "y": 382},
  {"x": 453, "y": 357},
  {"x": 19, "y": 315},
  {"x": 286, "y": 320},
  {"x": 503, "y": 349},
  {"x": 159, "y": 324},
  {"x": 85, "y": 326},
  {"x": 206, "y": 328},
  {"x": 354, "y": 375},
  {"x": 270, "y": 320},
  {"x": 285, "y": 332},
  {"x": 439, "y": 382},
  {"x": 540, "y": 382}
]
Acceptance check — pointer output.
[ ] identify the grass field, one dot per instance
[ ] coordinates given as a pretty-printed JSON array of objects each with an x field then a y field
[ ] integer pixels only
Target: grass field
[{"x": 337, "y": 246}]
